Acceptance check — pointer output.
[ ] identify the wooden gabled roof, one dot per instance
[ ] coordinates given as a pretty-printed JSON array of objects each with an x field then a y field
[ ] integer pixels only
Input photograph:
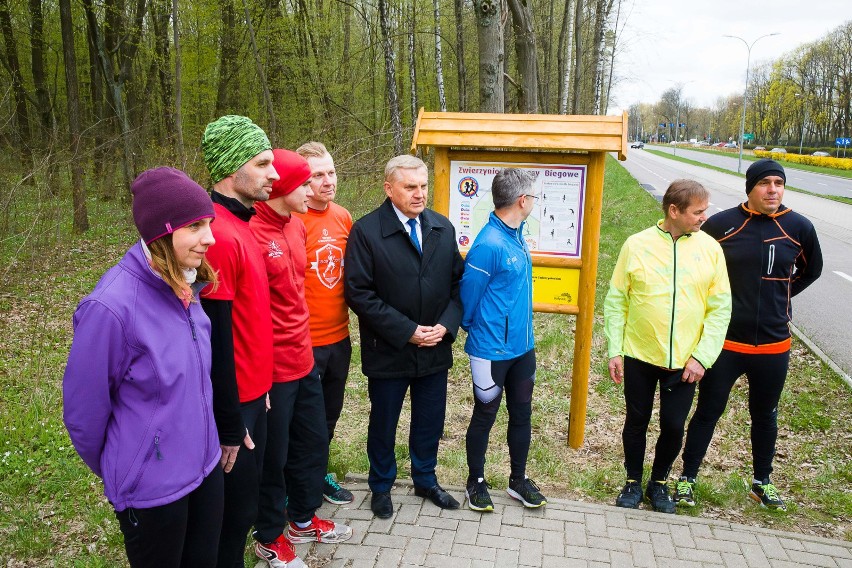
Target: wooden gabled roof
[{"x": 522, "y": 131}]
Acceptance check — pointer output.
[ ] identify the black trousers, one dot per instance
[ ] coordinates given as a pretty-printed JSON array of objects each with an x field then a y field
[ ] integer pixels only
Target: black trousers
[
  {"x": 766, "y": 376},
  {"x": 428, "y": 409},
  {"x": 490, "y": 378},
  {"x": 332, "y": 364},
  {"x": 640, "y": 386},
  {"x": 242, "y": 484},
  {"x": 180, "y": 534},
  {"x": 296, "y": 456}
]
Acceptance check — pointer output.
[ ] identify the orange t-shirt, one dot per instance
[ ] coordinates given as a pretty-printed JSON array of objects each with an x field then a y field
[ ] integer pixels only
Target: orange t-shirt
[{"x": 327, "y": 233}]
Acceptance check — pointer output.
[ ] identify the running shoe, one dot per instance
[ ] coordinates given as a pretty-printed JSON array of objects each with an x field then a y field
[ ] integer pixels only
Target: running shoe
[
  {"x": 657, "y": 493},
  {"x": 526, "y": 491},
  {"x": 684, "y": 492},
  {"x": 334, "y": 493},
  {"x": 766, "y": 494},
  {"x": 320, "y": 530},
  {"x": 630, "y": 496},
  {"x": 279, "y": 553},
  {"x": 477, "y": 495}
]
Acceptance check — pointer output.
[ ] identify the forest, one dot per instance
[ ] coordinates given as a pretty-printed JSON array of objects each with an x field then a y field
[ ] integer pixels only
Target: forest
[{"x": 95, "y": 91}]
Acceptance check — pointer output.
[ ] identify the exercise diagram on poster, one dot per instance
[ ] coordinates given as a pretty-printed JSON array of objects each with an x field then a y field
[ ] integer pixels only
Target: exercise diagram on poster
[{"x": 555, "y": 225}]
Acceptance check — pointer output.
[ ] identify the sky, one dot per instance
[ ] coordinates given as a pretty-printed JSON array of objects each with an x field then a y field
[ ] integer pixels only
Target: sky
[{"x": 666, "y": 42}]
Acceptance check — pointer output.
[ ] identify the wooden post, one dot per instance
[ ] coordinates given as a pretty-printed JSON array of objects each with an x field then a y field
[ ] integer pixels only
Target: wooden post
[
  {"x": 441, "y": 199},
  {"x": 586, "y": 300}
]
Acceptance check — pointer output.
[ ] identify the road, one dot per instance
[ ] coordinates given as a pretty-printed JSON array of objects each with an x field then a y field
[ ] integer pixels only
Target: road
[
  {"x": 800, "y": 179},
  {"x": 823, "y": 312}
]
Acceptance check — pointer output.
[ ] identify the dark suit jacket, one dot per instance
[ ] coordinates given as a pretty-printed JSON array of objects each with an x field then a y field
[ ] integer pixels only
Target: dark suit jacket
[{"x": 392, "y": 290}]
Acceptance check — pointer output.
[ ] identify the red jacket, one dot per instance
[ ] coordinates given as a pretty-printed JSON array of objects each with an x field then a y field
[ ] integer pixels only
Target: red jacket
[{"x": 282, "y": 241}]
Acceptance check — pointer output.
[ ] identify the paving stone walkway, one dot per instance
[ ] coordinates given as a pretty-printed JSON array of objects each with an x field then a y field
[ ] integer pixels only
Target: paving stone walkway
[{"x": 564, "y": 534}]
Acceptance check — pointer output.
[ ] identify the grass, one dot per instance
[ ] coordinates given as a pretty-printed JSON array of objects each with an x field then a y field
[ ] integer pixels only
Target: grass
[
  {"x": 816, "y": 169},
  {"x": 51, "y": 505}
]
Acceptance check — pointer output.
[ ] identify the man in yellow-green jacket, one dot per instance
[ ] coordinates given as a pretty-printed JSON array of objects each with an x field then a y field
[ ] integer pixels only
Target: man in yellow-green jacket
[{"x": 666, "y": 314}]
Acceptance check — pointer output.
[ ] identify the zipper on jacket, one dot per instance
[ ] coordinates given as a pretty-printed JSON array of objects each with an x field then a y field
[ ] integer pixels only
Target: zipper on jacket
[
  {"x": 674, "y": 301},
  {"x": 192, "y": 326},
  {"x": 506, "y": 334},
  {"x": 157, "y": 447},
  {"x": 771, "y": 260}
]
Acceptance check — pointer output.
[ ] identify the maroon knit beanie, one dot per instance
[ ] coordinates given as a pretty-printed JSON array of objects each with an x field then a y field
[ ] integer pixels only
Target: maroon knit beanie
[
  {"x": 293, "y": 169},
  {"x": 166, "y": 199}
]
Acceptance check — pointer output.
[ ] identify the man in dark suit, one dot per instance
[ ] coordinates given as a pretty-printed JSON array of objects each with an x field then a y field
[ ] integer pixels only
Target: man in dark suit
[{"x": 402, "y": 276}]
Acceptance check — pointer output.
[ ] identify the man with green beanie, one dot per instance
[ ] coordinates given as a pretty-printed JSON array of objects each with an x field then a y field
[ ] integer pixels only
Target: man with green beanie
[
  {"x": 239, "y": 158},
  {"x": 772, "y": 254}
]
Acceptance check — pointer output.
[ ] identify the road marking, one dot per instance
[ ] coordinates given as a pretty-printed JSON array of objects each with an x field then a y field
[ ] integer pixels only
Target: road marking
[{"x": 842, "y": 275}]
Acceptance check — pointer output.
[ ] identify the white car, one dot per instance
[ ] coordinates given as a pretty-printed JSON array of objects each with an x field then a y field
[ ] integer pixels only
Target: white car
[{"x": 778, "y": 151}]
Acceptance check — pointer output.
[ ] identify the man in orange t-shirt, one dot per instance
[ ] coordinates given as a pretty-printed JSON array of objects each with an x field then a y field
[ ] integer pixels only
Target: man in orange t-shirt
[{"x": 328, "y": 225}]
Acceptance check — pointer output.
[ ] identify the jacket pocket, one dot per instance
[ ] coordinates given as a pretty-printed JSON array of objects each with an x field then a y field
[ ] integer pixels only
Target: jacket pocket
[{"x": 152, "y": 453}]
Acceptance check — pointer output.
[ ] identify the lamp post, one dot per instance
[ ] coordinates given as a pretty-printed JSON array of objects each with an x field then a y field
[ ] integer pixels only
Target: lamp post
[
  {"x": 677, "y": 119},
  {"x": 804, "y": 120},
  {"x": 745, "y": 91}
]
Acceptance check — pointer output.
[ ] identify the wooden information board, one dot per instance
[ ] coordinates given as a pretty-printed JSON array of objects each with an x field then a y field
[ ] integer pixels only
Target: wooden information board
[{"x": 567, "y": 153}]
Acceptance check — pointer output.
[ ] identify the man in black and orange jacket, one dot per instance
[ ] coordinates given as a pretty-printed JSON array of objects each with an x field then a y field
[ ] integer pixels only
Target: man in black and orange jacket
[{"x": 772, "y": 254}]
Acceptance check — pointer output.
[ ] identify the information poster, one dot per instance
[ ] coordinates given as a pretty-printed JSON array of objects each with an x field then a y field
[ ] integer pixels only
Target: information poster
[{"x": 555, "y": 225}]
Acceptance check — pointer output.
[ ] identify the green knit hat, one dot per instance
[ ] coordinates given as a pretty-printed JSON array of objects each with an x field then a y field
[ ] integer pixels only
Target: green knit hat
[{"x": 230, "y": 142}]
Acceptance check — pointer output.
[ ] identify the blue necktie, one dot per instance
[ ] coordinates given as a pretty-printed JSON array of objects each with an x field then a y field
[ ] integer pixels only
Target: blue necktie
[{"x": 413, "y": 224}]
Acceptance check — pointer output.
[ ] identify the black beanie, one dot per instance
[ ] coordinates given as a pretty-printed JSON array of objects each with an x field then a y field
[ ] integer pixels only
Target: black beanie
[{"x": 761, "y": 169}]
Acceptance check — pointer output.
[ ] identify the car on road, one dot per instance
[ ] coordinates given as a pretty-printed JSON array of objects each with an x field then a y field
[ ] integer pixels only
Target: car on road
[
  {"x": 639, "y": 145},
  {"x": 719, "y": 144},
  {"x": 731, "y": 145},
  {"x": 821, "y": 154},
  {"x": 778, "y": 151},
  {"x": 760, "y": 148}
]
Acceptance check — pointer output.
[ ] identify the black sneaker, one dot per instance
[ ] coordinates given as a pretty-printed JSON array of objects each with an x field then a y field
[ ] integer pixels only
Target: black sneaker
[
  {"x": 684, "y": 492},
  {"x": 630, "y": 496},
  {"x": 658, "y": 495},
  {"x": 334, "y": 493},
  {"x": 526, "y": 491},
  {"x": 767, "y": 495},
  {"x": 477, "y": 495}
]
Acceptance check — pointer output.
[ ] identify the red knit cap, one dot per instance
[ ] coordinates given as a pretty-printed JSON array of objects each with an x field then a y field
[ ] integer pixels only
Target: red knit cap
[{"x": 293, "y": 169}]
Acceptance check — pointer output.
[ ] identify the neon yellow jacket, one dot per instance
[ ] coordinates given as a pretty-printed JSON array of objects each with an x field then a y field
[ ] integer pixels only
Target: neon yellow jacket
[{"x": 668, "y": 300}]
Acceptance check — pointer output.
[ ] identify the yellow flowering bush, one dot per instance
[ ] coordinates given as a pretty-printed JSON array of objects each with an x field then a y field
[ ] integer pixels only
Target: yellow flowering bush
[{"x": 826, "y": 162}]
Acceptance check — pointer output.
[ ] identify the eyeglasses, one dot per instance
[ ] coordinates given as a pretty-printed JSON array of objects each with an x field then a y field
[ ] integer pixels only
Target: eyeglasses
[{"x": 531, "y": 195}]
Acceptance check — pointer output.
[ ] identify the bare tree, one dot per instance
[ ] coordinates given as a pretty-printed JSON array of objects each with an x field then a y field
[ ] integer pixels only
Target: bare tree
[
  {"x": 178, "y": 88},
  {"x": 579, "y": 53},
  {"x": 491, "y": 55},
  {"x": 563, "y": 58},
  {"x": 78, "y": 192},
  {"x": 261, "y": 75},
  {"x": 22, "y": 117}
]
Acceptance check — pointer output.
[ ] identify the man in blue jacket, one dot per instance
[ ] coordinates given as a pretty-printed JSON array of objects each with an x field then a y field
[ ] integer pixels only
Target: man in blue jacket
[{"x": 496, "y": 293}]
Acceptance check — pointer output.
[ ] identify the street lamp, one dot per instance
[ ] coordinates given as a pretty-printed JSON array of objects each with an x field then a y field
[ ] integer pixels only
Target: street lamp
[
  {"x": 745, "y": 92},
  {"x": 804, "y": 120}
]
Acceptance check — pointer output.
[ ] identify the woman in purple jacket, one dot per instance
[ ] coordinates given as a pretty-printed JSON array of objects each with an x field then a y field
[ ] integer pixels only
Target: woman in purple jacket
[{"x": 137, "y": 393}]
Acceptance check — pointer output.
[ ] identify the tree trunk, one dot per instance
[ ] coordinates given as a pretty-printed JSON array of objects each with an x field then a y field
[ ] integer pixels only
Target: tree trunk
[
  {"x": 546, "y": 71},
  {"x": 178, "y": 90},
  {"x": 522, "y": 24},
  {"x": 390, "y": 77},
  {"x": 578, "y": 56},
  {"x": 78, "y": 192},
  {"x": 45, "y": 110},
  {"x": 116, "y": 91},
  {"x": 602, "y": 10},
  {"x": 412, "y": 66},
  {"x": 491, "y": 55},
  {"x": 272, "y": 129},
  {"x": 439, "y": 59},
  {"x": 22, "y": 118},
  {"x": 227, "y": 59},
  {"x": 458, "y": 8},
  {"x": 608, "y": 89},
  {"x": 160, "y": 19},
  {"x": 563, "y": 56}
]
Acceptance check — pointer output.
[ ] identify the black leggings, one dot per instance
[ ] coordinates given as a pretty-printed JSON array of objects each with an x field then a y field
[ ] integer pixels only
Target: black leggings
[
  {"x": 490, "y": 378},
  {"x": 766, "y": 375},
  {"x": 242, "y": 486},
  {"x": 640, "y": 385},
  {"x": 181, "y": 534}
]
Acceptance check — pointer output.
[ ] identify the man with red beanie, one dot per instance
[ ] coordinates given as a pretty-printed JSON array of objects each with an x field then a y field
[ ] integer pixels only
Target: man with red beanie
[
  {"x": 772, "y": 254},
  {"x": 297, "y": 437}
]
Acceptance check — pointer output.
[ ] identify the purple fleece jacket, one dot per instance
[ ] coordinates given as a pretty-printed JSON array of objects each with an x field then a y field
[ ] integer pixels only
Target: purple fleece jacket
[{"x": 137, "y": 393}]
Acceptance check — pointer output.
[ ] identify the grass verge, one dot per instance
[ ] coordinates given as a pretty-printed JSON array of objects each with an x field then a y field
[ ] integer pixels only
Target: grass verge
[
  {"x": 52, "y": 507},
  {"x": 815, "y": 169}
]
